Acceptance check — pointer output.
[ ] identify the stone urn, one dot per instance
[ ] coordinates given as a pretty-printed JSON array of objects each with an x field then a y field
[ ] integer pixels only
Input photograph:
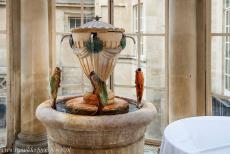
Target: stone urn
[{"x": 105, "y": 134}]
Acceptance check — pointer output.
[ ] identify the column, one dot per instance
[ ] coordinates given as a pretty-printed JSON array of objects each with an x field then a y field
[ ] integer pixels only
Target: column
[
  {"x": 34, "y": 70},
  {"x": 201, "y": 56},
  {"x": 182, "y": 59}
]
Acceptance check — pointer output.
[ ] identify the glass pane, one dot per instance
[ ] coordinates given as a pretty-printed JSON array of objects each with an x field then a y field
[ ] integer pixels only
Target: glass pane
[
  {"x": 220, "y": 16},
  {"x": 2, "y": 15},
  {"x": 73, "y": 79},
  {"x": 72, "y": 23},
  {"x": 90, "y": 11},
  {"x": 152, "y": 18},
  {"x": 3, "y": 88},
  {"x": 130, "y": 50},
  {"x": 3, "y": 73},
  {"x": 220, "y": 75},
  {"x": 217, "y": 54},
  {"x": 101, "y": 9},
  {"x": 153, "y": 66},
  {"x": 124, "y": 77},
  {"x": 227, "y": 3},
  {"x": 72, "y": 75},
  {"x": 152, "y": 57},
  {"x": 123, "y": 15},
  {"x": 155, "y": 92}
]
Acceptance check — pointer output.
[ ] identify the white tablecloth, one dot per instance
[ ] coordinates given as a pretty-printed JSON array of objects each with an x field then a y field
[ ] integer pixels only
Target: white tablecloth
[{"x": 197, "y": 135}]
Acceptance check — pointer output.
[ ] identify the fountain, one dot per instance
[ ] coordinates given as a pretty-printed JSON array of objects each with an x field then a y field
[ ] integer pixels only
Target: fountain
[{"x": 97, "y": 122}]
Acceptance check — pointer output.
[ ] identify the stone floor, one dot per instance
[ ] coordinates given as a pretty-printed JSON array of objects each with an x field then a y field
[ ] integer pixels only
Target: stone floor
[
  {"x": 2, "y": 137},
  {"x": 150, "y": 149}
]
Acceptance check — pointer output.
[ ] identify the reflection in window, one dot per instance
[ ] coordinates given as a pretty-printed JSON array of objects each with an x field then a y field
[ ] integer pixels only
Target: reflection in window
[
  {"x": 74, "y": 22},
  {"x": 227, "y": 2}
]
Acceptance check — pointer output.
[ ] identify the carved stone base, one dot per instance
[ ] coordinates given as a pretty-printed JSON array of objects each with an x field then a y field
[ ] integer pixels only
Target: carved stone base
[
  {"x": 107, "y": 134},
  {"x": 31, "y": 144}
]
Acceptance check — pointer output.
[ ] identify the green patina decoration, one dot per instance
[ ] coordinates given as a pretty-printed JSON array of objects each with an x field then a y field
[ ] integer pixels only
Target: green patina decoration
[
  {"x": 123, "y": 42},
  {"x": 95, "y": 46}
]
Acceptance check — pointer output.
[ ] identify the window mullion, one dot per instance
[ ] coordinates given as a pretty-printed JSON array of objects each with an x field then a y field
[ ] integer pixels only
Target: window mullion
[
  {"x": 139, "y": 34},
  {"x": 111, "y": 21},
  {"x": 82, "y": 12}
]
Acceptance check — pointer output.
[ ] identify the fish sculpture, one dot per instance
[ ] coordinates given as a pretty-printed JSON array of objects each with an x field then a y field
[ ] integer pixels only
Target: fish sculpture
[
  {"x": 54, "y": 85},
  {"x": 139, "y": 81},
  {"x": 100, "y": 89}
]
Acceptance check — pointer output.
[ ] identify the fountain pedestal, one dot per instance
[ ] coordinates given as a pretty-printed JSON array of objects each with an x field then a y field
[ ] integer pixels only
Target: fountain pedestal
[{"x": 106, "y": 134}]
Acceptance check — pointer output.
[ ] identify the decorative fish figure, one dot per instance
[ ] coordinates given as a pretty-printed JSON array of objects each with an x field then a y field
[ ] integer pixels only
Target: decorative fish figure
[
  {"x": 139, "y": 81},
  {"x": 123, "y": 41},
  {"x": 99, "y": 87},
  {"x": 94, "y": 44},
  {"x": 54, "y": 85}
]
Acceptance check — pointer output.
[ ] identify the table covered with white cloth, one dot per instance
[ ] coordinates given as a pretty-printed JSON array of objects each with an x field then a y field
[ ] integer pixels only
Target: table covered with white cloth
[{"x": 197, "y": 135}]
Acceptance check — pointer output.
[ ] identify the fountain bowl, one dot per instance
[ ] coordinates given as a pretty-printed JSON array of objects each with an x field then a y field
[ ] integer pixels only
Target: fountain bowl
[{"x": 105, "y": 134}]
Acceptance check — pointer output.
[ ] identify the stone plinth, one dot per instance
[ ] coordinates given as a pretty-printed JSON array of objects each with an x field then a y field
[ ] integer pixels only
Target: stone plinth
[{"x": 108, "y": 134}]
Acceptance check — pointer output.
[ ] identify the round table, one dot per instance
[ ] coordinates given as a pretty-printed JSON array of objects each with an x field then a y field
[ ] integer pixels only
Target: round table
[{"x": 197, "y": 135}]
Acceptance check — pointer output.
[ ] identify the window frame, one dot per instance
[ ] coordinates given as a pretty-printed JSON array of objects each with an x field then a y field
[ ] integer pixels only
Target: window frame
[
  {"x": 226, "y": 44},
  {"x": 209, "y": 35},
  {"x": 3, "y": 91},
  {"x": 75, "y": 21},
  {"x": 139, "y": 34}
]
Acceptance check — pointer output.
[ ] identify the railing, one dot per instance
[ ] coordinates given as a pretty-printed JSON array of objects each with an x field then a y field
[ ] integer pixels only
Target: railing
[
  {"x": 2, "y": 82},
  {"x": 220, "y": 106},
  {"x": 3, "y": 100}
]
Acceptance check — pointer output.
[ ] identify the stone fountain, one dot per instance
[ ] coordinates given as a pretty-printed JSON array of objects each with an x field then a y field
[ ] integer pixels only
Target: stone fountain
[{"x": 97, "y": 122}]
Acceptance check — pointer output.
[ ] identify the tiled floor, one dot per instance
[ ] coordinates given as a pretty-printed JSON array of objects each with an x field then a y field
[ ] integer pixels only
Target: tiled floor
[{"x": 150, "y": 149}]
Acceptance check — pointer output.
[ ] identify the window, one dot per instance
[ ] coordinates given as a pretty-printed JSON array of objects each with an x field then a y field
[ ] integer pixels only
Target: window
[
  {"x": 3, "y": 73},
  {"x": 149, "y": 52},
  {"x": 220, "y": 56},
  {"x": 227, "y": 46},
  {"x": 150, "y": 56},
  {"x": 74, "y": 22},
  {"x": 73, "y": 79}
]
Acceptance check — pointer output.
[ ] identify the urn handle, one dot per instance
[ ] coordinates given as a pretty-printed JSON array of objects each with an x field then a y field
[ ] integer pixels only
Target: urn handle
[
  {"x": 132, "y": 38},
  {"x": 123, "y": 40},
  {"x": 71, "y": 42}
]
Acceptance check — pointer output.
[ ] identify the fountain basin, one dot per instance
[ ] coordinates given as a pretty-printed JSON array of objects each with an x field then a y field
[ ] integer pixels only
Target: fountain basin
[{"x": 106, "y": 134}]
